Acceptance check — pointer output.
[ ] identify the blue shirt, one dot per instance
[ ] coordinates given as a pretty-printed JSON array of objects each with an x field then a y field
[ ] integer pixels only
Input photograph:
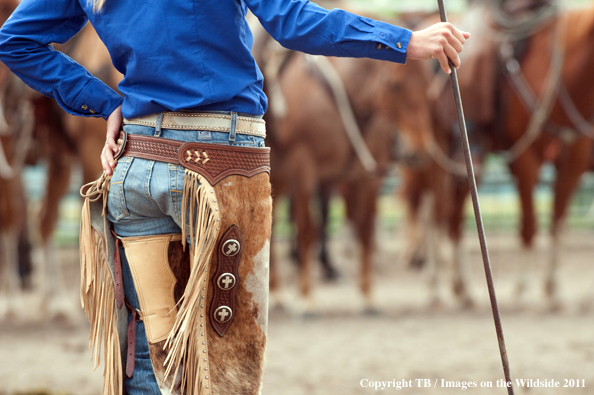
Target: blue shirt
[{"x": 192, "y": 55}]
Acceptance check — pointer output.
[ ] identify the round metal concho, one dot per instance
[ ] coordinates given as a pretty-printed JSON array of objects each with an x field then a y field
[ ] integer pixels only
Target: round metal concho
[
  {"x": 226, "y": 281},
  {"x": 223, "y": 314},
  {"x": 231, "y": 247}
]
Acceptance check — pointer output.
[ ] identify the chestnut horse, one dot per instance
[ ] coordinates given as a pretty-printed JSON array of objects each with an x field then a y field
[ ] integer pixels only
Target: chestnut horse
[
  {"x": 310, "y": 147},
  {"x": 15, "y": 131},
  {"x": 62, "y": 141},
  {"x": 543, "y": 112}
]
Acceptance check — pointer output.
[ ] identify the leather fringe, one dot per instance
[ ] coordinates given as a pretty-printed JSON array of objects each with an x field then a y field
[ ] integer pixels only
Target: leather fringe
[
  {"x": 97, "y": 293},
  {"x": 200, "y": 213}
]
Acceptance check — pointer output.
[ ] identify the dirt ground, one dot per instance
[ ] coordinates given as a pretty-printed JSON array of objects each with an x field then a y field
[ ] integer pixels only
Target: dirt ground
[{"x": 338, "y": 350}]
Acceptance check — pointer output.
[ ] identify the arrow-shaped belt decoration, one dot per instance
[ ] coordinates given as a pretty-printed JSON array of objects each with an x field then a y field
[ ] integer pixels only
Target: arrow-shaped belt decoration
[{"x": 477, "y": 213}]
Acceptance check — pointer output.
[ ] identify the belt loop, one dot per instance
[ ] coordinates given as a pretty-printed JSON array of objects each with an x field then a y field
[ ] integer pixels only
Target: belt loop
[
  {"x": 158, "y": 124},
  {"x": 233, "y": 129}
]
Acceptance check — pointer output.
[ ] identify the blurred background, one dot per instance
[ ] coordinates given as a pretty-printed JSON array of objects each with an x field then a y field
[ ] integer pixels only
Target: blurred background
[{"x": 377, "y": 272}]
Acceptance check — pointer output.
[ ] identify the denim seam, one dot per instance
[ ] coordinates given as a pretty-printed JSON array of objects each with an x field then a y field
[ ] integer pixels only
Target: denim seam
[
  {"x": 147, "y": 182},
  {"x": 174, "y": 193},
  {"x": 122, "y": 211}
]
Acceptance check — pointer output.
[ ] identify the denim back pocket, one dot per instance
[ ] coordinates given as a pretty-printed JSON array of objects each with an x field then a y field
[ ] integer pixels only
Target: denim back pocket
[
  {"x": 176, "y": 189},
  {"x": 116, "y": 200}
]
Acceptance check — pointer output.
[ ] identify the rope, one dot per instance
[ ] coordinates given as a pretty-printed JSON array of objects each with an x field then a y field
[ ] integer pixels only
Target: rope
[
  {"x": 444, "y": 160},
  {"x": 582, "y": 125},
  {"x": 511, "y": 28},
  {"x": 543, "y": 109},
  {"x": 345, "y": 111}
]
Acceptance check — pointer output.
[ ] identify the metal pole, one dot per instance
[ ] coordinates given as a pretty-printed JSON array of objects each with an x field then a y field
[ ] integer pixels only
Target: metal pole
[{"x": 477, "y": 215}]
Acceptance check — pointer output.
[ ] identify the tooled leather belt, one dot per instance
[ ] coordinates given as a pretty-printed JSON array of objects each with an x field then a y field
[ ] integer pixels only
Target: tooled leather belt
[{"x": 213, "y": 161}]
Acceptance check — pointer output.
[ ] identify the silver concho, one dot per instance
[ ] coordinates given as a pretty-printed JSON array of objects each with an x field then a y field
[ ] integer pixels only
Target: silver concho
[
  {"x": 223, "y": 314},
  {"x": 226, "y": 281},
  {"x": 231, "y": 247}
]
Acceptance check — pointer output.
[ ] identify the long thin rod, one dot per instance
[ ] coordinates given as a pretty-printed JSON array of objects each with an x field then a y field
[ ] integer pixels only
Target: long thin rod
[{"x": 477, "y": 215}]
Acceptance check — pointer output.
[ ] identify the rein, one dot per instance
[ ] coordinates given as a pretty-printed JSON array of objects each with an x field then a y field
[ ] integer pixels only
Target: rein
[
  {"x": 528, "y": 99},
  {"x": 541, "y": 110},
  {"x": 345, "y": 110}
]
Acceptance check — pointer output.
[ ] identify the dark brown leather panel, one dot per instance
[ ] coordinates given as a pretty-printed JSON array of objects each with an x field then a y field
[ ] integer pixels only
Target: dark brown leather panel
[
  {"x": 179, "y": 261},
  {"x": 226, "y": 280},
  {"x": 213, "y": 161}
]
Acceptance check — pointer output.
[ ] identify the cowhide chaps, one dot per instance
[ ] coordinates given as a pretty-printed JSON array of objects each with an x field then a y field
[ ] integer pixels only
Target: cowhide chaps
[{"x": 204, "y": 305}]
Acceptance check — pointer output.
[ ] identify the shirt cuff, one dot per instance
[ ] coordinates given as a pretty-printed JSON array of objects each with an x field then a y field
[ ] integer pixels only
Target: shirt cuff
[
  {"x": 95, "y": 100},
  {"x": 391, "y": 42}
]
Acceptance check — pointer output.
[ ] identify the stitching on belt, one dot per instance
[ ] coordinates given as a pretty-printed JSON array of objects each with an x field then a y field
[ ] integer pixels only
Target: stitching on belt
[{"x": 245, "y": 121}]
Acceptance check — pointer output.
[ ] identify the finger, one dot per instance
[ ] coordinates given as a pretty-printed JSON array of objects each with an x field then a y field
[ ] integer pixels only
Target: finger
[
  {"x": 458, "y": 35},
  {"x": 108, "y": 155},
  {"x": 104, "y": 163},
  {"x": 110, "y": 140},
  {"x": 455, "y": 43},
  {"x": 443, "y": 62},
  {"x": 452, "y": 54}
]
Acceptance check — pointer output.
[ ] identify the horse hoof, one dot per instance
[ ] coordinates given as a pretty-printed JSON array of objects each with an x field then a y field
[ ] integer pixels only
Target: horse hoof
[
  {"x": 466, "y": 303},
  {"x": 372, "y": 312},
  {"x": 417, "y": 262},
  {"x": 332, "y": 275},
  {"x": 520, "y": 291},
  {"x": 309, "y": 316},
  {"x": 555, "y": 306},
  {"x": 436, "y": 305},
  {"x": 550, "y": 288},
  {"x": 586, "y": 306}
]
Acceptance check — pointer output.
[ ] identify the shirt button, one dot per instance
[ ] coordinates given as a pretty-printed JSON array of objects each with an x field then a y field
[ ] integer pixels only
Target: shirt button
[
  {"x": 398, "y": 45},
  {"x": 378, "y": 46},
  {"x": 84, "y": 107},
  {"x": 92, "y": 111}
]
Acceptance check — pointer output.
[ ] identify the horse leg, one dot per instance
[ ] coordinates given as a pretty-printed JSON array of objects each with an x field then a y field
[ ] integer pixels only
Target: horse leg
[
  {"x": 361, "y": 202},
  {"x": 330, "y": 272},
  {"x": 301, "y": 193},
  {"x": 460, "y": 268},
  {"x": 24, "y": 256},
  {"x": 525, "y": 170},
  {"x": 55, "y": 304},
  {"x": 305, "y": 237},
  {"x": 428, "y": 245},
  {"x": 417, "y": 199},
  {"x": 418, "y": 223},
  {"x": 275, "y": 283},
  {"x": 10, "y": 289},
  {"x": 575, "y": 161}
]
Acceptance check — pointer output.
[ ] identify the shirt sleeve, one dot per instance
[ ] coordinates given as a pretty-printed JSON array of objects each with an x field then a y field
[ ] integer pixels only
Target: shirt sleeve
[
  {"x": 306, "y": 27},
  {"x": 25, "y": 47}
]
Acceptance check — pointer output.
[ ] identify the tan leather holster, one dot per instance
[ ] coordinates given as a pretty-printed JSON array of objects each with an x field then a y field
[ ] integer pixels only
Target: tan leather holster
[{"x": 154, "y": 282}]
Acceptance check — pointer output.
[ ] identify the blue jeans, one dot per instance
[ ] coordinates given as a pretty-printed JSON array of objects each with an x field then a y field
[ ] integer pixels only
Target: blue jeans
[{"x": 145, "y": 199}]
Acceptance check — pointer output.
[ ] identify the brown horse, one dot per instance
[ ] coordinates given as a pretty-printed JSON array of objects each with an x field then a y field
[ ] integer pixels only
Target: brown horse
[
  {"x": 310, "y": 147},
  {"x": 515, "y": 129},
  {"x": 62, "y": 141},
  {"x": 14, "y": 123}
]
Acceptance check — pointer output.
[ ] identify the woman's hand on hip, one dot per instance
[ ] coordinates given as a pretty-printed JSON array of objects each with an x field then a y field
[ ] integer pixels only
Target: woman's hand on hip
[{"x": 114, "y": 123}]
